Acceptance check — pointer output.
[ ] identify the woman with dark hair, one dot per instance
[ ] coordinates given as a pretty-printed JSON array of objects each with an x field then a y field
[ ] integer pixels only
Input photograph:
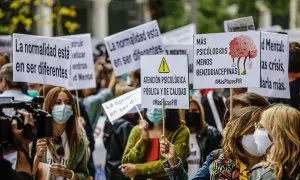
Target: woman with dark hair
[
  {"x": 141, "y": 157},
  {"x": 203, "y": 138},
  {"x": 66, "y": 151}
]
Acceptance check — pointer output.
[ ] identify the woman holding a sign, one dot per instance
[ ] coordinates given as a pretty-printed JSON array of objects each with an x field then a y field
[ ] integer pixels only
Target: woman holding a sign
[
  {"x": 240, "y": 152},
  {"x": 141, "y": 157},
  {"x": 279, "y": 124},
  {"x": 65, "y": 154}
]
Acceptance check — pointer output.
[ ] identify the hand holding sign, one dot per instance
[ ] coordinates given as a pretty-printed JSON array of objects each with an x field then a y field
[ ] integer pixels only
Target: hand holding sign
[{"x": 143, "y": 126}]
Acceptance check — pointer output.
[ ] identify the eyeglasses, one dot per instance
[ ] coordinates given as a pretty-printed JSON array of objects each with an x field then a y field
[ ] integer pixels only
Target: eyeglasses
[{"x": 60, "y": 151}]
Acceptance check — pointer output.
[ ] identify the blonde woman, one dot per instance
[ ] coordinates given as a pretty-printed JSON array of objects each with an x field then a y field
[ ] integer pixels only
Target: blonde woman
[
  {"x": 239, "y": 149},
  {"x": 283, "y": 161}
]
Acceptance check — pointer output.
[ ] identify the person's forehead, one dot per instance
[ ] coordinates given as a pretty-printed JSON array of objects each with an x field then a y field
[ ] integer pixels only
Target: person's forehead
[{"x": 62, "y": 95}]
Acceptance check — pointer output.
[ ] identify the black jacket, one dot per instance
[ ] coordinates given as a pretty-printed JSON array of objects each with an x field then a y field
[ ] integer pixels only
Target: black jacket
[
  {"x": 115, "y": 140},
  {"x": 209, "y": 140},
  {"x": 90, "y": 136}
]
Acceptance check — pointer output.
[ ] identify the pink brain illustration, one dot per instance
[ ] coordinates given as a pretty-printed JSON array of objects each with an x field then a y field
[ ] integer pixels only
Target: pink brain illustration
[{"x": 242, "y": 46}]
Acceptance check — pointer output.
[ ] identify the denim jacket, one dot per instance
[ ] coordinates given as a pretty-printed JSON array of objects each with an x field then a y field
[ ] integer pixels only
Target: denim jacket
[{"x": 177, "y": 172}]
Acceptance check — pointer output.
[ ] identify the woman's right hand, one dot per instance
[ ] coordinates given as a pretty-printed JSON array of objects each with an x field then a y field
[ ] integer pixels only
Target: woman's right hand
[
  {"x": 41, "y": 148},
  {"x": 167, "y": 150},
  {"x": 143, "y": 126}
]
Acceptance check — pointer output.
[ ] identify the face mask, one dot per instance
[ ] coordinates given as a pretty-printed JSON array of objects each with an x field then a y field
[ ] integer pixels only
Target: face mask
[
  {"x": 61, "y": 113},
  {"x": 192, "y": 119},
  {"x": 154, "y": 115},
  {"x": 12, "y": 158},
  {"x": 250, "y": 146},
  {"x": 262, "y": 140},
  {"x": 32, "y": 93}
]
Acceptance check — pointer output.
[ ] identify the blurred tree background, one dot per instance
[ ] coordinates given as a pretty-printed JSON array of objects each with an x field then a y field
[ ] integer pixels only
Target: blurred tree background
[
  {"x": 211, "y": 14},
  {"x": 19, "y": 16}
]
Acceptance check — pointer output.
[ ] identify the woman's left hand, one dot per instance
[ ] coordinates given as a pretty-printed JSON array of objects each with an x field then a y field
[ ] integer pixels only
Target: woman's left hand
[
  {"x": 128, "y": 170},
  {"x": 60, "y": 170}
]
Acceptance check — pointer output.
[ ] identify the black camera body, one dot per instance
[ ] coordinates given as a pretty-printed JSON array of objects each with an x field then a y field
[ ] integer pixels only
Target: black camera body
[{"x": 42, "y": 122}]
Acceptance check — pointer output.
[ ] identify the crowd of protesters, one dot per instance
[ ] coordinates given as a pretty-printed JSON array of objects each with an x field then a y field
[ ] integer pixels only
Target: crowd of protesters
[{"x": 258, "y": 138}]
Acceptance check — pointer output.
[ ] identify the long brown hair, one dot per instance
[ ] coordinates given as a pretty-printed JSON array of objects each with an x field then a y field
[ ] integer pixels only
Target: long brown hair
[
  {"x": 71, "y": 126},
  {"x": 242, "y": 123},
  {"x": 283, "y": 125}
]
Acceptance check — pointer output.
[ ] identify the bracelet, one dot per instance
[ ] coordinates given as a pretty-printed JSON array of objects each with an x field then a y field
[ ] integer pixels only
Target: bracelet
[{"x": 72, "y": 175}]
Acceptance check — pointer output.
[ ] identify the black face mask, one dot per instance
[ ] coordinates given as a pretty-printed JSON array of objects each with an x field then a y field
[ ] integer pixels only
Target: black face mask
[{"x": 192, "y": 119}]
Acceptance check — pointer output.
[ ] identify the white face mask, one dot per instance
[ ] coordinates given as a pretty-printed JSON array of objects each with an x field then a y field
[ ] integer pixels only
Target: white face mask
[
  {"x": 250, "y": 146},
  {"x": 262, "y": 140},
  {"x": 12, "y": 158}
]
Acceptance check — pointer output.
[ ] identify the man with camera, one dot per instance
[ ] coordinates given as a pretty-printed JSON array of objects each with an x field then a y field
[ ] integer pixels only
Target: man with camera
[
  {"x": 15, "y": 156},
  {"x": 10, "y": 88}
]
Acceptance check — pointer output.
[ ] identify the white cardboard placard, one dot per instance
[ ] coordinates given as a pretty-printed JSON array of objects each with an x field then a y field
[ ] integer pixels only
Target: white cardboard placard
[
  {"x": 43, "y": 60},
  {"x": 82, "y": 64},
  {"x": 294, "y": 34},
  {"x": 274, "y": 80},
  {"x": 180, "y": 36},
  {"x": 126, "y": 48},
  {"x": 227, "y": 60},
  {"x": 183, "y": 50},
  {"x": 165, "y": 75},
  {"x": 119, "y": 106},
  {"x": 240, "y": 24}
]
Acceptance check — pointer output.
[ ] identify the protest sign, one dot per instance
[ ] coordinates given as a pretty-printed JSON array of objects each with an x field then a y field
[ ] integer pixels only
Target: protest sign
[
  {"x": 183, "y": 50},
  {"x": 240, "y": 24},
  {"x": 227, "y": 60},
  {"x": 126, "y": 48},
  {"x": 165, "y": 75},
  {"x": 82, "y": 63},
  {"x": 294, "y": 34},
  {"x": 5, "y": 44},
  {"x": 274, "y": 81},
  {"x": 119, "y": 106},
  {"x": 182, "y": 36},
  {"x": 274, "y": 28},
  {"x": 99, "y": 49},
  {"x": 43, "y": 60}
]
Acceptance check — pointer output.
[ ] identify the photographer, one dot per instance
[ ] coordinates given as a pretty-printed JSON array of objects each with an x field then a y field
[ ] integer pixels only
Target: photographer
[
  {"x": 65, "y": 153},
  {"x": 16, "y": 158},
  {"x": 10, "y": 88}
]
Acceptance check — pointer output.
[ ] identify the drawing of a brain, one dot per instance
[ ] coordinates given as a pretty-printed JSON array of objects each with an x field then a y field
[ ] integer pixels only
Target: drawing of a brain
[{"x": 242, "y": 46}]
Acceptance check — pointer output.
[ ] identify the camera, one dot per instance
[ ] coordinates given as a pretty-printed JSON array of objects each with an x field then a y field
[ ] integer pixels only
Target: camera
[{"x": 42, "y": 121}]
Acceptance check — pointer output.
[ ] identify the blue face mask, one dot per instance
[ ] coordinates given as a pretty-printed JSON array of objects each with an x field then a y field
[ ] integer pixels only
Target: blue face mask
[
  {"x": 154, "y": 115},
  {"x": 32, "y": 93},
  {"x": 61, "y": 113}
]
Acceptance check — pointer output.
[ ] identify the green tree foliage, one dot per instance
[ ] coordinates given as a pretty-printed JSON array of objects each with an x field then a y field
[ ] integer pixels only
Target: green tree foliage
[
  {"x": 19, "y": 16},
  {"x": 211, "y": 14}
]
